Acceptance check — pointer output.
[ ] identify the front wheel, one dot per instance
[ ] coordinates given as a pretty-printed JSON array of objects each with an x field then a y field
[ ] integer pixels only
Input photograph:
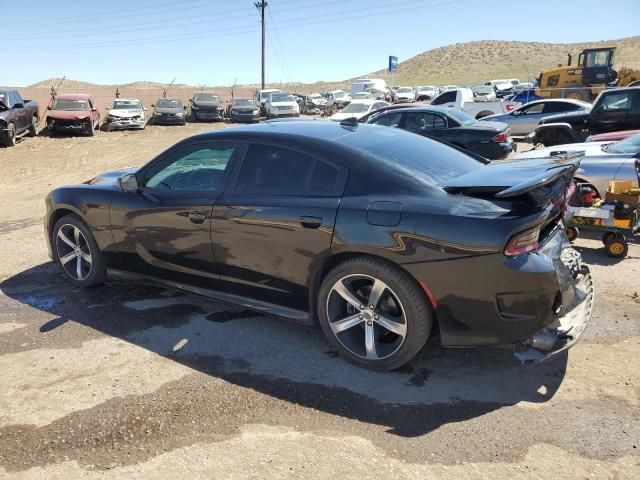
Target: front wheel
[
  {"x": 9, "y": 139},
  {"x": 373, "y": 313},
  {"x": 77, "y": 253},
  {"x": 34, "y": 129}
]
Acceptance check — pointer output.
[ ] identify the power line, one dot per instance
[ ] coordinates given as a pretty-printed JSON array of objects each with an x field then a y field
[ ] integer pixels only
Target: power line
[
  {"x": 200, "y": 18},
  {"x": 284, "y": 57},
  {"x": 233, "y": 30},
  {"x": 108, "y": 15}
]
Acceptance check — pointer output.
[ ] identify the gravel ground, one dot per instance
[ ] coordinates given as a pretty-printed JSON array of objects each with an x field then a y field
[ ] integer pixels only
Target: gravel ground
[{"x": 127, "y": 381}]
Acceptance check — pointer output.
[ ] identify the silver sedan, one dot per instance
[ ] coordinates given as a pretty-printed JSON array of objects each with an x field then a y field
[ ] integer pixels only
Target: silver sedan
[
  {"x": 602, "y": 161},
  {"x": 524, "y": 120}
]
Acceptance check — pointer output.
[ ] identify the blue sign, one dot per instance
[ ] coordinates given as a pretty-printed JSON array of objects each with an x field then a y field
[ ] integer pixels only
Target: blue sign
[{"x": 393, "y": 63}]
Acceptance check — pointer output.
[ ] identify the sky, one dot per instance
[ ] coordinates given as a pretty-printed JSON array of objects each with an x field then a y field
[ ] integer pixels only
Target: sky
[{"x": 217, "y": 42}]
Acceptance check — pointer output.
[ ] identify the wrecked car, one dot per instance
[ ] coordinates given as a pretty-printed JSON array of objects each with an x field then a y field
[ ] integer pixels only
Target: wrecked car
[
  {"x": 374, "y": 233},
  {"x": 73, "y": 113},
  {"x": 126, "y": 113}
]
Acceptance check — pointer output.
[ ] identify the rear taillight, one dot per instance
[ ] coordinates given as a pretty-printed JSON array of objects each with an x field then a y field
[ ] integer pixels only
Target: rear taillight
[
  {"x": 510, "y": 107},
  {"x": 523, "y": 242},
  {"x": 501, "y": 137}
]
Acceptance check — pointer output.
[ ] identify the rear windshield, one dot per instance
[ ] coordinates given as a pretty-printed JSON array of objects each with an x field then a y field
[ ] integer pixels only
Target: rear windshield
[
  {"x": 427, "y": 160},
  {"x": 463, "y": 118}
]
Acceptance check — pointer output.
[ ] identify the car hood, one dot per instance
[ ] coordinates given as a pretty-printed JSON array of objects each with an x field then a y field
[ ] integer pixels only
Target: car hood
[
  {"x": 123, "y": 113},
  {"x": 68, "y": 115},
  {"x": 283, "y": 104},
  {"x": 201, "y": 103},
  {"x": 172, "y": 110},
  {"x": 245, "y": 108},
  {"x": 337, "y": 117},
  {"x": 110, "y": 179},
  {"x": 589, "y": 149}
]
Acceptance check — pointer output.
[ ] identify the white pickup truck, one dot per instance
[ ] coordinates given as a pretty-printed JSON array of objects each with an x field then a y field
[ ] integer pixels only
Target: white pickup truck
[{"x": 462, "y": 99}]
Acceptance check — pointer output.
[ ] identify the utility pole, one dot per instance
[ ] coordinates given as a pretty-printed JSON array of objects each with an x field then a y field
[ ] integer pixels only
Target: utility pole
[{"x": 261, "y": 6}]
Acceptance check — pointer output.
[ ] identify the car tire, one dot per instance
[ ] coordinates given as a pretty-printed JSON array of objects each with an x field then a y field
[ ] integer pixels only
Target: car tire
[
  {"x": 91, "y": 131},
  {"x": 365, "y": 339},
  {"x": 34, "y": 129},
  {"x": 76, "y": 252},
  {"x": 9, "y": 138}
]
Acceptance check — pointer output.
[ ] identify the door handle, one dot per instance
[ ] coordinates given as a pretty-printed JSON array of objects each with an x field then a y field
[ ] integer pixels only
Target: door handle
[
  {"x": 197, "y": 217},
  {"x": 310, "y": 222}
]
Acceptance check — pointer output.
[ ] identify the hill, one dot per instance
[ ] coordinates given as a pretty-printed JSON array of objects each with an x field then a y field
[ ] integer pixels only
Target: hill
[
  {"x": 461, "y": 64},
  {"x": 476, "y": 62}
]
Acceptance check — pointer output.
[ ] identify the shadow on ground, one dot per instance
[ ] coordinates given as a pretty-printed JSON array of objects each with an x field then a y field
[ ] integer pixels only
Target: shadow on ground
[{"x": 289, "y": 361}]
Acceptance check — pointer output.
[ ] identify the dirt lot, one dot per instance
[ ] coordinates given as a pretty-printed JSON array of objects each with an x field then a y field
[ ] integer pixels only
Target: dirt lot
[{"x": 130, "y": 381}]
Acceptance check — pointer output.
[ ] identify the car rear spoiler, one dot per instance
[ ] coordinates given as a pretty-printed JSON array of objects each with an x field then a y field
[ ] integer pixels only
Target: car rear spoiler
[{"x": 549, "y": 176}]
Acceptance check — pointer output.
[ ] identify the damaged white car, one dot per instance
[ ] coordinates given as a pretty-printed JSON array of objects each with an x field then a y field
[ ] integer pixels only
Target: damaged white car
[{"x": 126, "y": 113}]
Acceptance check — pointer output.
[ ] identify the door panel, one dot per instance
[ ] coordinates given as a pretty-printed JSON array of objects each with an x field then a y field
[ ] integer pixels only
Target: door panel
[
  {"x": 276, "y": 225},
  {"x": 267, "y": 247},
  {"x": 164, "y": 229}
]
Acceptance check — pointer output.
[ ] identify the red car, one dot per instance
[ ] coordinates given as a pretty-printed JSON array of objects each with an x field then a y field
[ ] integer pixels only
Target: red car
[
  {"x": 612, "y": 136},
  {"x": 73, "y": 113}
]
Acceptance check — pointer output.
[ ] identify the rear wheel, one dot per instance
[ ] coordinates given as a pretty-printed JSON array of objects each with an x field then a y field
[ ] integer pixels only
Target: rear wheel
[
  {"x": 617, "y": 246},
  {"x": 584, "y": 95},
  {"x": 572, "y": 233},
  {"x": 373, "y": 313},
  {"x": 34, "y": 129},
  {"x": 483, "y": 114},
  {"x": 77, "y": 253}
]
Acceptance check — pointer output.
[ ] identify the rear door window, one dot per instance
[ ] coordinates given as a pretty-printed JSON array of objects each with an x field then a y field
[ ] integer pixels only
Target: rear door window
[{"x": 271, "y": 170}]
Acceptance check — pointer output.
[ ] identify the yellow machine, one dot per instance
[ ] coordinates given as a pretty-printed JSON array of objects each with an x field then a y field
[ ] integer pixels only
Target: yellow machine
[{"x": 589, "y": 77}]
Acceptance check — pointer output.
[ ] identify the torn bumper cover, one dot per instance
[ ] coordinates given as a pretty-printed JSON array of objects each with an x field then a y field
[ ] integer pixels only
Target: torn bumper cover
[
  {"x": 562, "y": 333},
  {"x": 122, "y": 123}
]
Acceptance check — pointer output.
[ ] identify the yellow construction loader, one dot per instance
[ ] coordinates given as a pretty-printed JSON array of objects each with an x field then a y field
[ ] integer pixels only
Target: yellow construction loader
[{"x": 590, "y": 76}]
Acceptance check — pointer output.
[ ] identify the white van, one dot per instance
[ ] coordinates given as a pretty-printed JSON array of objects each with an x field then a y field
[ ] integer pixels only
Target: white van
[{"x": 363, "y": 84}]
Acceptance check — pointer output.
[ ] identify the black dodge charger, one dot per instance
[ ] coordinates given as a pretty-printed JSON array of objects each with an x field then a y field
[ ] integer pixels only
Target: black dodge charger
[
  {"x": 373, "y": 232},
  {"x": 487, "y": 139}
]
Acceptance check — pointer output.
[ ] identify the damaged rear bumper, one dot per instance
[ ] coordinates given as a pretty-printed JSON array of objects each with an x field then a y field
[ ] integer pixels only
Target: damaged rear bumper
[{"x": 564, "y": 332}]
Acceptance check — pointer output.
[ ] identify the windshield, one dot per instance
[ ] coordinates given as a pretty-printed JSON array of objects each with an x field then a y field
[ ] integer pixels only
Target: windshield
[
  {"x": 356, "y": 108},
  {"x": 206, "y": 97},
  {"x": 361, "y": 95},
  {"x": 405, "y": 90},
  {"x": 125, "y": 104},
  {"x": 71, "y": 105},
  {"x": 628, "y": 145},
  {"x": 164, "y": 103},
  {"x": 243, "y": 102},
  {"x": 483, "y": 89},
  {"x": 338, "y": 94},
  {"x": 282, "y": 97},
  {"x": 265, "y": 95},
  {"x": 426, "y": 160}
]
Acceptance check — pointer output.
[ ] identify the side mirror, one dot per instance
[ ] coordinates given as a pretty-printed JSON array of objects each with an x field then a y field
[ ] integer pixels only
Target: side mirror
[
  {"x": 515, "y": 113},
  {"x": 153, "y": 105},
  {"x": 191, "y": 100},
  {"x": 128, "y": 182},
  {"x": 49, "y": 107},
  {"x": 94, "y": 109},
  {"x": 184, "y": 106}
]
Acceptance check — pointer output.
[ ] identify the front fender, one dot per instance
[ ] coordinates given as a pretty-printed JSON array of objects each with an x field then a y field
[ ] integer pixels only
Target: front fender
[{"x": 90, "y": 204}]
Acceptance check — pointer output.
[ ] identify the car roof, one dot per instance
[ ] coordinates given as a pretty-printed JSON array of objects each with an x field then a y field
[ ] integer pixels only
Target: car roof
[
  {"x": 313, "y": 128},
  {"x": 73, "y": 96},
  {"x": 420, "y": 108}
]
